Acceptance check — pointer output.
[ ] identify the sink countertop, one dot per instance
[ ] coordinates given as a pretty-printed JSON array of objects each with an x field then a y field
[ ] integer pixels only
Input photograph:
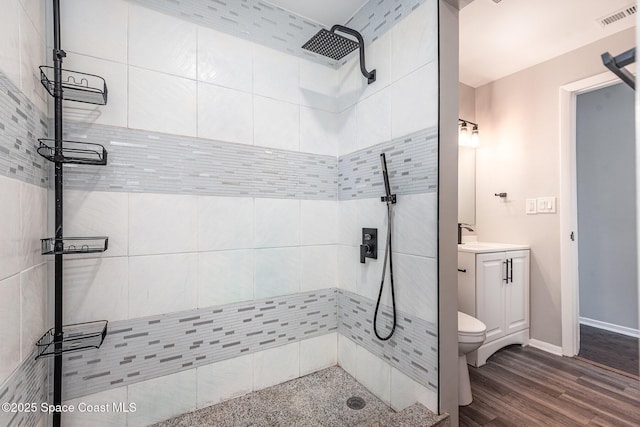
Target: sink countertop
[{"x": 482, "y": 247}]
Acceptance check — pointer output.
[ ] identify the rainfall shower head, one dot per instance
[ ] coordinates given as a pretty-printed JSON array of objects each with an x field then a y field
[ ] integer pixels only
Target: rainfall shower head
[{"x": 328, "y": 43}]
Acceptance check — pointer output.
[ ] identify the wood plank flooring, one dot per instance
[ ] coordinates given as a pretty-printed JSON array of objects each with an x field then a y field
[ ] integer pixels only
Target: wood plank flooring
[
  {"x": 529, "y": 387},
  {"x": 610, "y": 349}
]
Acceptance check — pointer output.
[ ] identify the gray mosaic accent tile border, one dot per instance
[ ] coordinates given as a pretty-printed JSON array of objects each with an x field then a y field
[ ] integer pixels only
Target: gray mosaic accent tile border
[
  {"x": 412, "y": 164},
  {"x": 413, "y": 349},
  {"x": 272, "y": 26},
  {"x": 145, "y": 348},
  {"x": 28, "y": 384},
  {"x": 21, "y": 124},
  {"x": 149, "y": 162}
]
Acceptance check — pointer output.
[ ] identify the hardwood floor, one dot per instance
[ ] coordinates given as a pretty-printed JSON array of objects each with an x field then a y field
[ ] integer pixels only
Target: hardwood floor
[
  {"x": 529, "y": 387},
  {"x": 610, "y": 349}
]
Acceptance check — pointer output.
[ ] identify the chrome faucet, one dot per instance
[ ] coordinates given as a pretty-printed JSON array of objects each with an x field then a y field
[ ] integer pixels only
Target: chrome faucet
[{"x": 460, "y": 227}]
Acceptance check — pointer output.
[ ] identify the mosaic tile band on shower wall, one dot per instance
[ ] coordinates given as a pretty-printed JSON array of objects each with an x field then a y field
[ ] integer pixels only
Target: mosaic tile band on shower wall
[
  {"x": 26, "y": 385},
  {"x": 21, "y": 124},
  {"x": 278, "y": 28},
  {"x": 142, "y": 161},
  {"x": 150, "y": 347},
  {"x": 141, "y": 349},
  {"x": 412, "y": 162},
  {"x": 413, "y": 348}
]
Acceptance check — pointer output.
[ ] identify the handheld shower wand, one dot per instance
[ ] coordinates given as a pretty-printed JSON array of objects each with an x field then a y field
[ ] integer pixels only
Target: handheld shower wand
[{"x": 389, "y": 199}]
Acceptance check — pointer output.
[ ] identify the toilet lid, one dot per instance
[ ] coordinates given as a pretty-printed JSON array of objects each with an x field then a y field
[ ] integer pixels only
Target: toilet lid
[{"x": 469, "y": 324}]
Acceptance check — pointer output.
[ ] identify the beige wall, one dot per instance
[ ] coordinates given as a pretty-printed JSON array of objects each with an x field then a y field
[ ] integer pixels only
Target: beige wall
[
  {"x": 520, "y": 154},
  {"x": 466, "y": 102}
]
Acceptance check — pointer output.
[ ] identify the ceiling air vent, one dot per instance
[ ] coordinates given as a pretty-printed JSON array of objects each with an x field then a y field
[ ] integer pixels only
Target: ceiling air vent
[{"x": 618, "y": 15}]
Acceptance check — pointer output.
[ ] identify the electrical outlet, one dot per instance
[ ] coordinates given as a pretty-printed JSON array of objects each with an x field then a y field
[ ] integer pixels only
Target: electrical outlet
[
  {"x": 546, "y": 204},
  {"x": 531, "y": 207}
]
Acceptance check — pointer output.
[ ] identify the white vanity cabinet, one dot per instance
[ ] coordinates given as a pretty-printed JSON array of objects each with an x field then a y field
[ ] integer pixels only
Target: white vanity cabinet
[{"x": 493, "y": 286}]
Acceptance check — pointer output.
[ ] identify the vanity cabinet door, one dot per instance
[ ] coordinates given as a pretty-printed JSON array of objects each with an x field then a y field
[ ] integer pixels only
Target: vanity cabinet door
[
  {"x": 490, "y": 294},
  {"x": 517, "y": 291}
]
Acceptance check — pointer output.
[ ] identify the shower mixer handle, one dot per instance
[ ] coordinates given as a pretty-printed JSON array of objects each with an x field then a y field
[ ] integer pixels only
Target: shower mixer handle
[{"x": 369, "y": 246}]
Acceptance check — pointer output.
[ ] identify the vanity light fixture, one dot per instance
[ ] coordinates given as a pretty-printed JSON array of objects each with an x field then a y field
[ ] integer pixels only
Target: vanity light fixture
[{"x": 467, "y": 138}]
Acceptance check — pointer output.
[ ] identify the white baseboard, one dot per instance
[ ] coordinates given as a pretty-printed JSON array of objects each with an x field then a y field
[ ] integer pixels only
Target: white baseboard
[
  {"x": 610, "y": 327},
  {"x": 545, "y": 346}
]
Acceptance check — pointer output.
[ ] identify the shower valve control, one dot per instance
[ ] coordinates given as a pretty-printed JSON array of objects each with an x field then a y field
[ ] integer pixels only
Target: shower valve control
[{"x": 369, "y": 246}]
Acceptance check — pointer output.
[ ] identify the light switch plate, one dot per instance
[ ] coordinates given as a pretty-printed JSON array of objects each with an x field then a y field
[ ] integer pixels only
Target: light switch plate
[
  {"x": 546, "y": 204},
  {"x": 531, "y": 207}
]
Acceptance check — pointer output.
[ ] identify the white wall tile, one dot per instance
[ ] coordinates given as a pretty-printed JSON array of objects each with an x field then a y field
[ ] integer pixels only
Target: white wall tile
[
  {"x": 161, "y": 103},
  {"x": 98, "y": 213},
  {"x": 276, "y": 365},
  {"x": 225, "y": 114},
  {"x": 97, "y": 419},
  {"x": 378, "y": 57},
  {"x": 414, "y": 40},
  {"x": 347, "y": 350},
  {"x": 277, "y": 222},
  {"x": 318, "y": 132},
  {"x": 276, "y": 272},
  {"x": 10, "y": 332},
  {"x": 276, "y": 124},
  {"x": 115, "y": 74},
  {"x": 349, "y": 83},
  {"x": 348, "y": 265},
  {"x": 318, "y": 86},
  {"x": 225, "y": 380},
  {"x": 369, "y": 275},
  {"x": 162, "y": 284},
  {"x": 349, "y": 228},
  {"x": 162, "y": 223},
  {"x": 225, "y": 223},
  {"x": 10, "y": 227},
  {"x": 32, "y": 56},
  {"x": 33, "y": 224},
  {"x": 225, "y": 60},
  {"x": 374, "y": 374},
  {"x": 10, "y": 40},
  {"x": 416, "y": 284},
  {"x": 318, "y": 267},
  {"x": 405, "y": 392},
  {"x": 33, "y": 296},
  {"x": 162, "y": 398},
  {"x": 414, "y": 225},
  {"x": 372, "y": 213},
  {"x": 36, "y": 10},
  {"x": 162, "y": 43},
  {"x": 96, "y": 289},
  {"x": 373, "y": 117},
  {"x": 224, "y": 277},
  {"x": 318, "y": 222},
  {"x": 96, "y": 27},
  {"x": 346, "y": 130},
  {"x": 275, "y": 74},
  {"x": 414, "y": 101},
  {"x": 318, "y": 353}
]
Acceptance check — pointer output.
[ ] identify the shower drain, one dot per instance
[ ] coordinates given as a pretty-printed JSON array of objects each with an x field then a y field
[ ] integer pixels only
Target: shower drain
[{"x": 356, "y": 403}]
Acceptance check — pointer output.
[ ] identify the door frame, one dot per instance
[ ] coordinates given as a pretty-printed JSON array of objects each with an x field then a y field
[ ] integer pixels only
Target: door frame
[{"x": 569, "y": 285}]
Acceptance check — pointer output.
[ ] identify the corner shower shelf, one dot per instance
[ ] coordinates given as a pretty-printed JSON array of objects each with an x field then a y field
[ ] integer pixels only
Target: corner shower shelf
[
  {"x": 75, "y": 337},
  {"x": 75, "y": 245},
  {"x": 79, "y": 153},
  {"x": 76, "y": 86}
]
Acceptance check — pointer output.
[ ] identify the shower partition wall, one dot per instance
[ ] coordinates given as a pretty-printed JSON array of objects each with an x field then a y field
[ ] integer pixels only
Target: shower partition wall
[{"x": 234, "y": 199}]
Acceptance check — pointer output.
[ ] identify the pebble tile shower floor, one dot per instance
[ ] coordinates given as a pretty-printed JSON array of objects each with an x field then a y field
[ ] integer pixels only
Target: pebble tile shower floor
[{"x": 318, "y": 399}]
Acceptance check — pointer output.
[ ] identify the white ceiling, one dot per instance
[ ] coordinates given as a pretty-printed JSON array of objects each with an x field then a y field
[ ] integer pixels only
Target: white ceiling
[
  {"x": 499, "y": 39},
  {"x": 325, "y": 12}
]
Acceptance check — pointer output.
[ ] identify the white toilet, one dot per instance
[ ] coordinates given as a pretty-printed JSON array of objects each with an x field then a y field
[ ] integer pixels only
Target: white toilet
[{"x": 471, "y": 335}]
